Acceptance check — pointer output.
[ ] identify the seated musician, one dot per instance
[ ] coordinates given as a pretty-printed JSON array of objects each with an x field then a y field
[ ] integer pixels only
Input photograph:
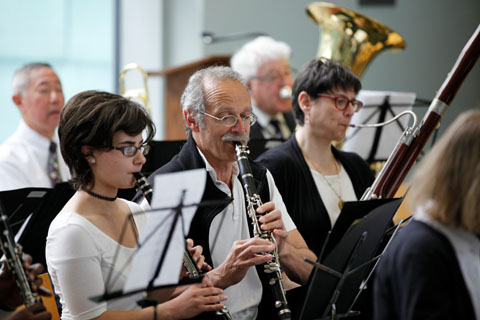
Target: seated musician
[
  {"x": 321, "y": 176},
  {"x": 217, "y": 112},
  {"x": 431, "y": 270},
  {"x": 102, "y": 143}
]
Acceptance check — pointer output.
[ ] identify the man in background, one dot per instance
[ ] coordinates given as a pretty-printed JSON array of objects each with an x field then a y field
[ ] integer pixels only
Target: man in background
[
  {"x": 264, "y": 63},
  {"x": 31, "y": 157}
]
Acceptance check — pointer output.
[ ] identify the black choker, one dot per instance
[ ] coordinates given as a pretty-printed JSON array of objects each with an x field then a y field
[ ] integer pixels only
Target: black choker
[{"x": 99, "y": 196}]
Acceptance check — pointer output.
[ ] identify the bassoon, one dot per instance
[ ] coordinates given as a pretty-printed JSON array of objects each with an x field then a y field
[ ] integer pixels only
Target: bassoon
[{"x": 411, "y": 143}]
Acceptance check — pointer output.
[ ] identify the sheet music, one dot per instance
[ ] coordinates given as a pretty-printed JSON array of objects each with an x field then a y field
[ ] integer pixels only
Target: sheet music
[
  {"x": 360, "y": 140},
  {"x": 167, "y": 193}
]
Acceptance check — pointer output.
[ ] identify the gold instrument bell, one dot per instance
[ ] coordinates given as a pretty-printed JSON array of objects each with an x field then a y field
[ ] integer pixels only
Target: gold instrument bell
[
  {"x": 349, "y": 37},
  {"x": 137, "y": 93}
]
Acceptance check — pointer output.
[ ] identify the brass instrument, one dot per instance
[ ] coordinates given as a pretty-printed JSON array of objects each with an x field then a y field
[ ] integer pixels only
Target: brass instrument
[
  {"x": 272, "y": 268},
  {"x": 193, "y": 272},
  {"x": 351, "y": 38},
  {"x": 138, "y": 93}
]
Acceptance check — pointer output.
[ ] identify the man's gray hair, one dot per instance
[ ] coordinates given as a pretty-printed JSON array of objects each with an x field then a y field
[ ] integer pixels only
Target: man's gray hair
[
  {"x": 193, "y": 97},
  {"x": 255, "y": 53},
  {"x": 21, "y": 77}
]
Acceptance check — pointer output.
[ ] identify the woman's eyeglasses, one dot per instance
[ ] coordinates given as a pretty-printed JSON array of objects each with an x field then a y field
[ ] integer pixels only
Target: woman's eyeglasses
[
  {"x": 130, "y": 151},
  {"x": 342, "y": 102}
]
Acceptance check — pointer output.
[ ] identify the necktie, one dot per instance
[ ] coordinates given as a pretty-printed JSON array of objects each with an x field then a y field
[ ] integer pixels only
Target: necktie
[
  {"x": 276, "y": 125},
  {"x": 53, "y": 167}
]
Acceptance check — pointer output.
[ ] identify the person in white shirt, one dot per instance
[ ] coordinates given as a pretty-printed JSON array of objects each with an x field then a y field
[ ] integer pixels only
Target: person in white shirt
[
  {"x": 265, "y": 64},
  {"x": 24, "y": 156},
  {"x": 91, "y": 241},
  {"x": 217, "y": 112}
]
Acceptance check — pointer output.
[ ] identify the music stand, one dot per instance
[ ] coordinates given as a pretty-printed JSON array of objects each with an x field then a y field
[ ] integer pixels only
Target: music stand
[
  {"x": 351, "y": 257},
  {"x": 379, "y": 106},
  {"x": 40, "y": 206},
  {"x": 154, "y": 266}
]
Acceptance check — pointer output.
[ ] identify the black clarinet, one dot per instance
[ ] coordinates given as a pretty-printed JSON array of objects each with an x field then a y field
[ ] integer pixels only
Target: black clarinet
[
  {"x": 193, "y": 272},
  {"x": 271, "y": 268},
  {"x": 14, "y": 257}
]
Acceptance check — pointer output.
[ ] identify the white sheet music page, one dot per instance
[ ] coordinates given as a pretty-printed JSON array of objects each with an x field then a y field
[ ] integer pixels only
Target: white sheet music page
[
  {"x": 167, "y": 193},
  {"x": 360, "y": 140}
]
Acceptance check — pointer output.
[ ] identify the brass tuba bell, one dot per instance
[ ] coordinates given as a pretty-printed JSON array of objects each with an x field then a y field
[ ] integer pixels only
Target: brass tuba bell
[
  {"x": 138, "y": 93},
  {"x": 349, "y": 37}
]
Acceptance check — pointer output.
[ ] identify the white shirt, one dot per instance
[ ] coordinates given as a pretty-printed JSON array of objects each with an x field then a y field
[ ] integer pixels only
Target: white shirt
[
  {"x": 343, "y": 187},
  {"x": 24, "y": 160},
  {"x": 232, "y": 224},
  {"x": 268, "y": 129},
  {"x": 80, "y": 258}
]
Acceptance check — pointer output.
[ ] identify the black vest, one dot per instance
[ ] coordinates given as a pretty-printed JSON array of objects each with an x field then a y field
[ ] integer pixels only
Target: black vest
[{"x": 189, "y": 159}]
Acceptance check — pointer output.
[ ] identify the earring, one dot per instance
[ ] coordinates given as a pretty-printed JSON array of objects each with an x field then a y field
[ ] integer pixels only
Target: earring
[
  {"x": 92, "y": 161},
  {"x": 306, "y": 119}
]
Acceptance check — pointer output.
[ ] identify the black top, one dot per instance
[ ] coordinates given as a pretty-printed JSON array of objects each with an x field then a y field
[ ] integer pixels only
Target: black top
[
  {"x": 419, "y": 278},
  {"x": 295, "y": 182}
]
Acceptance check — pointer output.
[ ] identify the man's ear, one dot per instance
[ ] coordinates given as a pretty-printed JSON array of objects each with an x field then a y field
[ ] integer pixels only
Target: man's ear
[
  {"x": 304, "y": 101},
  {"x": 190, "y": 121},
  {"x": 17, "y": 99}
]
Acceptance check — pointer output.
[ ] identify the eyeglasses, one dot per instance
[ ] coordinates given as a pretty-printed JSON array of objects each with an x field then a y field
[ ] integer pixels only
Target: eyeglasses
[
  {"x": 131, "y": 151},
  {"x": 342, "y": 102},
  {"x": 231, "y": 120},
  {"x": 274, "y": 76}
]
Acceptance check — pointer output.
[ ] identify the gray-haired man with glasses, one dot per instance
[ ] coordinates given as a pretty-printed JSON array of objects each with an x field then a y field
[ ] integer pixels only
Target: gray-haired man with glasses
[
  {"x": 264, "y": 63},
  {"x": 217, "y": 113}
]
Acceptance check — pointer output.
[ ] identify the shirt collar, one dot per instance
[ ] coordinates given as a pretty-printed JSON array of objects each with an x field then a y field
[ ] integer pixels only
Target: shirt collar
[
  {"x": 33, "y": 137},
  {"x": 211, "y": 171}
]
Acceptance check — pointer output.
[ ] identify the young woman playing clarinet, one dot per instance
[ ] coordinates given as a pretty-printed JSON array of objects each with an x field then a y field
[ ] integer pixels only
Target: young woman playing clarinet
[{"x": 104, "y": 139}]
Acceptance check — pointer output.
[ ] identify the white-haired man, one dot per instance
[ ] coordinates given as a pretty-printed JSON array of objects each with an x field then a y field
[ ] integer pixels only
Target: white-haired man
[
  {"x": 264, "y": 63},
  {"x": 31, "y": 157},
  {"x": 217, "y": 112}
]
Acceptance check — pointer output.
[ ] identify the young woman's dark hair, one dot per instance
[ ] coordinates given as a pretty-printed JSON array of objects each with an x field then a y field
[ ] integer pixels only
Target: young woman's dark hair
[
  {"x": 321, "y": 76},
  {"x": 91, "y": 118}
]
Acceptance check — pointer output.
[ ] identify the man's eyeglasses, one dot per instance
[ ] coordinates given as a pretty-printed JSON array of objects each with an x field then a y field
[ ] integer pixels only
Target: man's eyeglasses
[
  {"x": 231, "y": 120},
  {"x": 274, "y": 76},
  {"x": 130, "y": 151},
  {"x": 342, "y": 102}
]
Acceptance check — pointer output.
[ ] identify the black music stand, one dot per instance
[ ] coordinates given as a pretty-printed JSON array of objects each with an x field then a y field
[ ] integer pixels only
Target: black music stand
[
  {"x": 331, "y": 296},
  {"x": 40, "y": 206}
]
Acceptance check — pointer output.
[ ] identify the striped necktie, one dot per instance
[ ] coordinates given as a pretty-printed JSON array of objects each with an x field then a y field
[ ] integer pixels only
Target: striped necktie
[
  {"x": 276, "y": 125},
  {"x": 53, "y": 167}
]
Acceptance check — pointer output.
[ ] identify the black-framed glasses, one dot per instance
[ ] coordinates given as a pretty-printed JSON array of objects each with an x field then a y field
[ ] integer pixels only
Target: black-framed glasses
[
  {"x": 231, "y": 120},
  {"x": 342, "y": 102},
  {"x": 130, "y": 151}
]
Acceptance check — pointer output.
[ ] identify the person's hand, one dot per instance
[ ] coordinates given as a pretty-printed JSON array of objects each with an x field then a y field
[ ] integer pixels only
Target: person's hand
[
  {"x": 9, "y": 291},
  {"x": 197, "y": 298},
  {"x": 198, "y": 258},
  {"x": 243, "y": 255},
  {"x": 34, "y": 312},
  {"x": 272, "y": 221}
]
